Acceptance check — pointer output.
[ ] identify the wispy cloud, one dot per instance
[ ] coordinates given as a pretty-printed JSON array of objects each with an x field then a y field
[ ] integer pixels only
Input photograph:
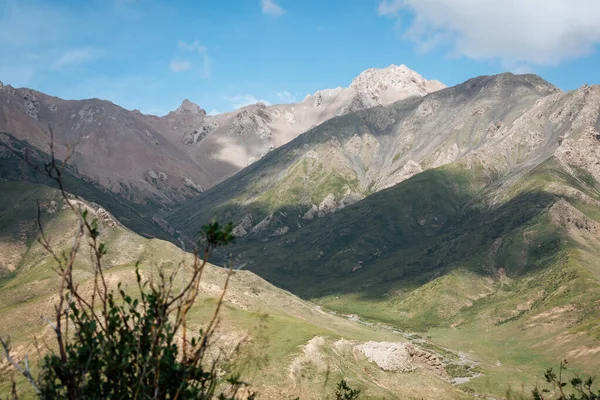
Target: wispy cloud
[
  {"x": 537, "y": 32},
  {"x": 243, "y": 100},
  {"x": 213, "y": 112},
  {"x": 286, "y": 97},
  {"x": 75, "y": 57},
  {"x": 179, "y": 65},
  {"x": 202, "y": 51},
  {"x": 25, "y": 25},
  {"x": 270, "y": 7}
]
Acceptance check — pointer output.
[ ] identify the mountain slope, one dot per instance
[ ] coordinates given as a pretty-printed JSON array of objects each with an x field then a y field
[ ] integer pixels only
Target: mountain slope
[
  {"x": 166, "y": 160},
  {"x": 131, "y": 215},
  {"x": 116, "y": 147}
]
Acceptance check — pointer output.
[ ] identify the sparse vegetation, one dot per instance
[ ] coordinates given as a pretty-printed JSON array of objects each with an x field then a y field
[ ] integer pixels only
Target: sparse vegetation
[{"x": 580, "y": 388}]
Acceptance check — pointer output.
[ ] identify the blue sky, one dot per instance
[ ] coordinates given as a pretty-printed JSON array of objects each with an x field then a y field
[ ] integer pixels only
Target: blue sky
[{"x": 151, "y": 54}]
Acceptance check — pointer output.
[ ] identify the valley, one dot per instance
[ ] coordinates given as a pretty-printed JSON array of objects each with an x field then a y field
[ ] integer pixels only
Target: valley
[{"x": 417, "y": 240}]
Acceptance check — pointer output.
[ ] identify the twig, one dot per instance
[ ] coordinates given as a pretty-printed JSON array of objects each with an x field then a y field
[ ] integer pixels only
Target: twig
[{"x": 25, "y": 371}]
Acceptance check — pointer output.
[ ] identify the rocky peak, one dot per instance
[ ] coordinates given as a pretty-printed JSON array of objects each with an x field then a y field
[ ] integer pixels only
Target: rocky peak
[
  {"x": 188, "y": 107},
  {"x": 253, "y": 118},
  {"x": 398, "y": 77}
]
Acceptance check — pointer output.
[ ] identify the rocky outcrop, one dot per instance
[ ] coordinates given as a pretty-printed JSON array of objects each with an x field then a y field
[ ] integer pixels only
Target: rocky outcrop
[
  {"x": 206, "y": 127},
  {"x": 401, "y": 357},
  {"x": 263, "y": 225},
  {"x": 188, "y": 107},
  {"x": 328, "y": 205},
  {"x": 87, "y": 113},
  {"x": 31, "y": 104},
  {"x": 253, "y": 120},
  {"x": 243, "y": 227},
  {"x": 157, "y": 176},
  {"x": 189, "y": 183}
]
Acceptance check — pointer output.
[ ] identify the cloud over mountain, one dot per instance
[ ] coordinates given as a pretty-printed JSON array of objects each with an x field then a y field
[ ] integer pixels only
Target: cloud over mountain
[{"x": 541, "y": 32}]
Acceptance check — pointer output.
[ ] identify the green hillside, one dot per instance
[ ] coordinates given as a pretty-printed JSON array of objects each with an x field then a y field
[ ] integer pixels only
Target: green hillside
[{"x": 287, "y": 346}]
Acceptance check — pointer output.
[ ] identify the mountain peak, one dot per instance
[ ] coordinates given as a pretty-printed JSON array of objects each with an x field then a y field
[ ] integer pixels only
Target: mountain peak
[
  {"x": 398, "y": 77},
  {"x": 189, "y": 107}
]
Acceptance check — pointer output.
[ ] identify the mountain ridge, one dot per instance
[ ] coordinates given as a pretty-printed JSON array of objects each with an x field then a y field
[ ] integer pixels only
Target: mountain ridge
[{"x": 167, "y": 160}]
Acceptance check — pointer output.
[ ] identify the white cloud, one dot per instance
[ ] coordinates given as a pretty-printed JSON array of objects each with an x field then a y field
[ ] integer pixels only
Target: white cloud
[
  {"x": 202, "y": 51},
  {"x": 269, "y": 7},
  {"x": 76, "y": 57},
  {"x": 286, "y": 97},
  {"x": 517, "y": 32},
  {"x": 213, "y": 112},
  {"x": 239, "y": 101},
  {"x": 179, "y": 65}
]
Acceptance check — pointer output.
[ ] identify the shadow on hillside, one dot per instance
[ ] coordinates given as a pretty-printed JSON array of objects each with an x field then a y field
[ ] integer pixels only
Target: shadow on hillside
[
  {"x": 390, "y": 240},
  {"x": 134, "y": 216}
]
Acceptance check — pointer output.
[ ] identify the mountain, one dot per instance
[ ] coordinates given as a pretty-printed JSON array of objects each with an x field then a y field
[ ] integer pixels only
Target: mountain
[
  {"x": 282, "y": 345},
  {"x": 351, "y": 156},
  {"x": 167, "y": 160},
  {"x": 471, "y": 214}
]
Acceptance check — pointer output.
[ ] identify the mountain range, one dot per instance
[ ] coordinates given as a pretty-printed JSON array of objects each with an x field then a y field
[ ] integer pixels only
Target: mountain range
[
  {"x": 166, "y": 160},
  {"x": 467, "y": 214}
]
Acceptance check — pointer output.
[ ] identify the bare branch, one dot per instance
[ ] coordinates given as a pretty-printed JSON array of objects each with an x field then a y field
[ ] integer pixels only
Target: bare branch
[{"x": 24, "y": 370}]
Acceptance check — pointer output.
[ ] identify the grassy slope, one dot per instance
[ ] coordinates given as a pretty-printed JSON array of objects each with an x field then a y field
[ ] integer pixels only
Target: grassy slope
[
  {"x": 515, "y": 283},
  {"x": 277, "y": 323}
]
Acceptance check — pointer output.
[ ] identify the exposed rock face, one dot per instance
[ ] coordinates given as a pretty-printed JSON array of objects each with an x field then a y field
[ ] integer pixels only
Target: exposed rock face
[
  {"x": 401, "y": 357},
  {"x": 243, "y": 227},
  {"x": 187, "y": 107},
  {"x": 252, "y": 120},
  {"x": 411, "y": 168},
  {"x": 31, "y": 103},
  {"x": 375, "y": 87},
  {"x": 87, "y": 113},
  {"x": 328, "y": 205},
  {"x": 189, "y": 183},
  {"x": 160, "y": 176},
  {"x": 312, "y": 212},
  {"x": 263, "y": 225},
  {"x": 198, "y": 134},
  {"x": 388, "y": 356}
]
